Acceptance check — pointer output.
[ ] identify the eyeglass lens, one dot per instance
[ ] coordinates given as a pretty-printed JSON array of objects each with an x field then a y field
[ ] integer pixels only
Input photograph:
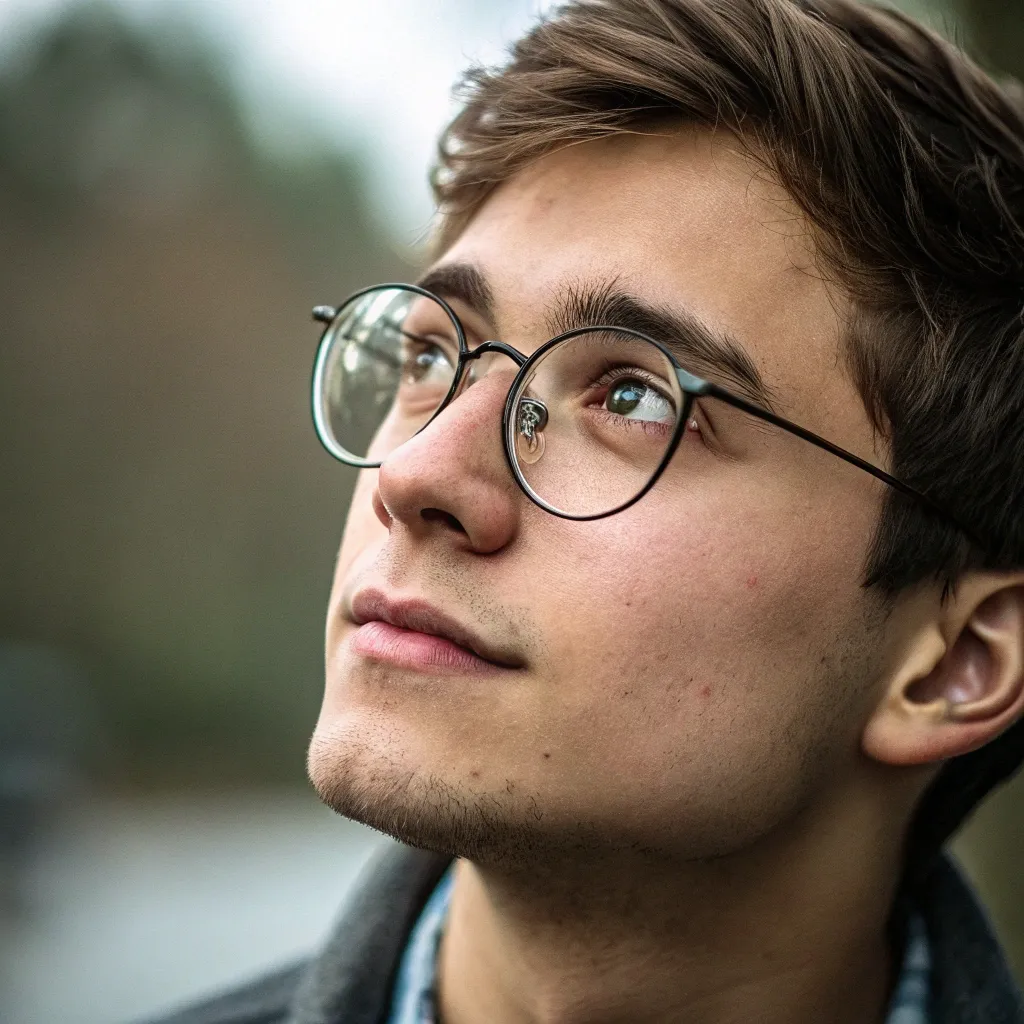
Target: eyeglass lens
[
  {"x": 607, "y": 403},
  {"x": 386, "y": 363}
]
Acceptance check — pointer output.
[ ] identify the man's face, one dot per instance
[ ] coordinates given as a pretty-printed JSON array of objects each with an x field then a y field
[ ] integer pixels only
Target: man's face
[{"x": 691, "y": 672}]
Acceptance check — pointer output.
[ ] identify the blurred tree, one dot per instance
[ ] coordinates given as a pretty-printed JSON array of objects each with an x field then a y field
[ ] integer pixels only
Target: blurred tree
[
  {"x": 167, "y": 511},
  {"x": 94, "y": 107},
  {"x": 995, "y": 29}
]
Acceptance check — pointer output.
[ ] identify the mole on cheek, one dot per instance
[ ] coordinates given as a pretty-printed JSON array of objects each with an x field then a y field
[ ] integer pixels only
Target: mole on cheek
[{"x": 705, "y": 691}]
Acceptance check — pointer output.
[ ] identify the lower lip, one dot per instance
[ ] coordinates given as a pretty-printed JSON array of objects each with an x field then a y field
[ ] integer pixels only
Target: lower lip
[{"x": 419, "y": 652}]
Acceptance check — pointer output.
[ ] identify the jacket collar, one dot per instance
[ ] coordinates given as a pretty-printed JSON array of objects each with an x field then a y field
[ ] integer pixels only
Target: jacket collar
[
  {"x": 971, "y": 982},
  {"x": 352, "y": 978}
]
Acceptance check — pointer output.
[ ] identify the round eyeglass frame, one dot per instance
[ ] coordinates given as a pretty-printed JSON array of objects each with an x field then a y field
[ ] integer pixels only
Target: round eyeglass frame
[{"x": 692, "y": 387}]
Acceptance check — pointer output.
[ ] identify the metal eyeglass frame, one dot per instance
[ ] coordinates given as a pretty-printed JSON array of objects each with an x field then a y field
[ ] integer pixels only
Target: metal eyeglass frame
[{"x": 692, "y": 387}]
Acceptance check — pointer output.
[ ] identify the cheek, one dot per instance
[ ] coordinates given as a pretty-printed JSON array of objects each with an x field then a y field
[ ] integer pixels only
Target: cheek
[
  {"x": 695, "y": 670},
  {"x": 361, "y": 524},
  {"x": 363, "y": 532},
  {"x": 720, "y": 612}
]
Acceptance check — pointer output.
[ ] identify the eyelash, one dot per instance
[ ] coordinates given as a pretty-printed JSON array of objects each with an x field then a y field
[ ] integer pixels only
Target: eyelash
[{"x": 616, "y": 372}]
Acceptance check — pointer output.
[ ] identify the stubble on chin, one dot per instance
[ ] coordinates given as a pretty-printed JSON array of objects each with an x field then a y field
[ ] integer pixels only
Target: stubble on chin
[{"x": 361, "y": 781}]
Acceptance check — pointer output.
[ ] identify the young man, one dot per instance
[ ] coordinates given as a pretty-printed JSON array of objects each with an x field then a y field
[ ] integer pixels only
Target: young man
[{"x": 677, "y": 647}]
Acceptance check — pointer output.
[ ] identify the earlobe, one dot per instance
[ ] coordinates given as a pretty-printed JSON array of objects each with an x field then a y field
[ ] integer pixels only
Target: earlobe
[{"x": 962, "y": 682}]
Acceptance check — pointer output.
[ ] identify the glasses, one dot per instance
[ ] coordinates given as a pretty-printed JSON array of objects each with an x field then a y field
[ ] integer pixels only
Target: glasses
[{"x": 590, "y": 422}]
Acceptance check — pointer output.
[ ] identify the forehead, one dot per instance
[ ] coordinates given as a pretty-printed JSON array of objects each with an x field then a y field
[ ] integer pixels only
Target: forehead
[{"x": 682, "y": 219}]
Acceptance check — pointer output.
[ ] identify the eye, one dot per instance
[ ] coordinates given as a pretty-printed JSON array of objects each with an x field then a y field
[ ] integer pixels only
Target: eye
[
  {"x": 424, "y": 360},
  {"x": 635, "y": 399}
]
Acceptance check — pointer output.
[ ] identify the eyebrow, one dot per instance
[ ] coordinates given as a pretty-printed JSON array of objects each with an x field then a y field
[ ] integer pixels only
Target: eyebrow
[
  {"x": 464, "y": 283},
  {"x": 700, "y": 348}
]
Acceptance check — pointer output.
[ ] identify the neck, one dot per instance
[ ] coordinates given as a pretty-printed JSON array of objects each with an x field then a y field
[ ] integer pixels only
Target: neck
[{"x": 793, "y": 931}]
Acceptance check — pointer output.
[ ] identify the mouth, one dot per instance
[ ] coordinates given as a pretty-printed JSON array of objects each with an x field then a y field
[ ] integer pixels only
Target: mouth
[{"x": 411, "y": 633}]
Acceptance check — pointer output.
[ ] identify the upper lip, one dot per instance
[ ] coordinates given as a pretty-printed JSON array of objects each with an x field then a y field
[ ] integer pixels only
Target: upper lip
[{"x": 412, "y": 613}]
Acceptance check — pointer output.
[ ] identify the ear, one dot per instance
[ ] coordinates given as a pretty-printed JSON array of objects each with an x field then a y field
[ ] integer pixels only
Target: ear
[{"x": 961, "y": 682}]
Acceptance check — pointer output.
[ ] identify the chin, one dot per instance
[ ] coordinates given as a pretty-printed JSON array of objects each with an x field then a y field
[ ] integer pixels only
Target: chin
[{"x": 362, "y": 774}]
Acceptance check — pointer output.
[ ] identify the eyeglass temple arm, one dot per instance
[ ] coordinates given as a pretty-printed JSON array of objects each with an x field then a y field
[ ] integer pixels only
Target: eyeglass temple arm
[{"x": 697, "y": 386}]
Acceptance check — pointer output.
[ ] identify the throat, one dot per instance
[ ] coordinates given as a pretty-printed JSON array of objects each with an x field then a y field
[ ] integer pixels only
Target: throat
[{"x": 510, "y": 956}]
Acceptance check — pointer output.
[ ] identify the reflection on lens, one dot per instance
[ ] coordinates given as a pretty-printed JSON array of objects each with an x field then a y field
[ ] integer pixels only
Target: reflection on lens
[
  {"x": 386, "y": 363},
  {"x": 532, "y": 419},
  {"x": 593, "y": 420}
]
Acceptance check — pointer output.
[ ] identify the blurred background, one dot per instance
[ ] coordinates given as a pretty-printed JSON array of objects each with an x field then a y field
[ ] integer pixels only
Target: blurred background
[{"x": 180, "y": 182}]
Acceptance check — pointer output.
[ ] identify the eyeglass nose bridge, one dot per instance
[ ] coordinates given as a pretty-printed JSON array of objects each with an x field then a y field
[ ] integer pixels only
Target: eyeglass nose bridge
[
  {"x": 533, "y": 414},
  {"x": 485, "y": 347}
]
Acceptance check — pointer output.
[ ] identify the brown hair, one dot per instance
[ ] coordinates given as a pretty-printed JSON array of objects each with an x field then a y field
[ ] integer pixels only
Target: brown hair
[{"x": 907, "y": 159}]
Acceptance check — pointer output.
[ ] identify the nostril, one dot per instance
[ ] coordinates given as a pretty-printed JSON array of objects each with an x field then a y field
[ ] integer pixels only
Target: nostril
[{"x": 438, "y": 515}]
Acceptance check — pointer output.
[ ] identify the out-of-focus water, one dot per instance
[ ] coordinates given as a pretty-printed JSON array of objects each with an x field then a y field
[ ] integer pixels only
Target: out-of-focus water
[{"x": 134, "y": 905}]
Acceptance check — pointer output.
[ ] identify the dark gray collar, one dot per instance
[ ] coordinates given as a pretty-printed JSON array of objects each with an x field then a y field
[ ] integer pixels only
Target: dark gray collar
[
  {"x": 350, "y": 982},
  {"x": 972, "y": 983}
]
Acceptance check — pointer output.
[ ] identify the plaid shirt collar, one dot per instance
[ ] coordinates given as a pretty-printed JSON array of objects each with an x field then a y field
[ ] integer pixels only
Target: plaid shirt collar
[{"x": 414, "y": 999}]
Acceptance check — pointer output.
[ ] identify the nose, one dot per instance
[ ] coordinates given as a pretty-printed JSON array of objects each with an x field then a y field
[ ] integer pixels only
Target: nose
[{"x": 451, "y": 480}]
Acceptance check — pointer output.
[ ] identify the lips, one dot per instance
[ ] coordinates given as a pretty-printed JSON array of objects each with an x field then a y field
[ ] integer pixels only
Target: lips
[{"x": 374, "y": 606}]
